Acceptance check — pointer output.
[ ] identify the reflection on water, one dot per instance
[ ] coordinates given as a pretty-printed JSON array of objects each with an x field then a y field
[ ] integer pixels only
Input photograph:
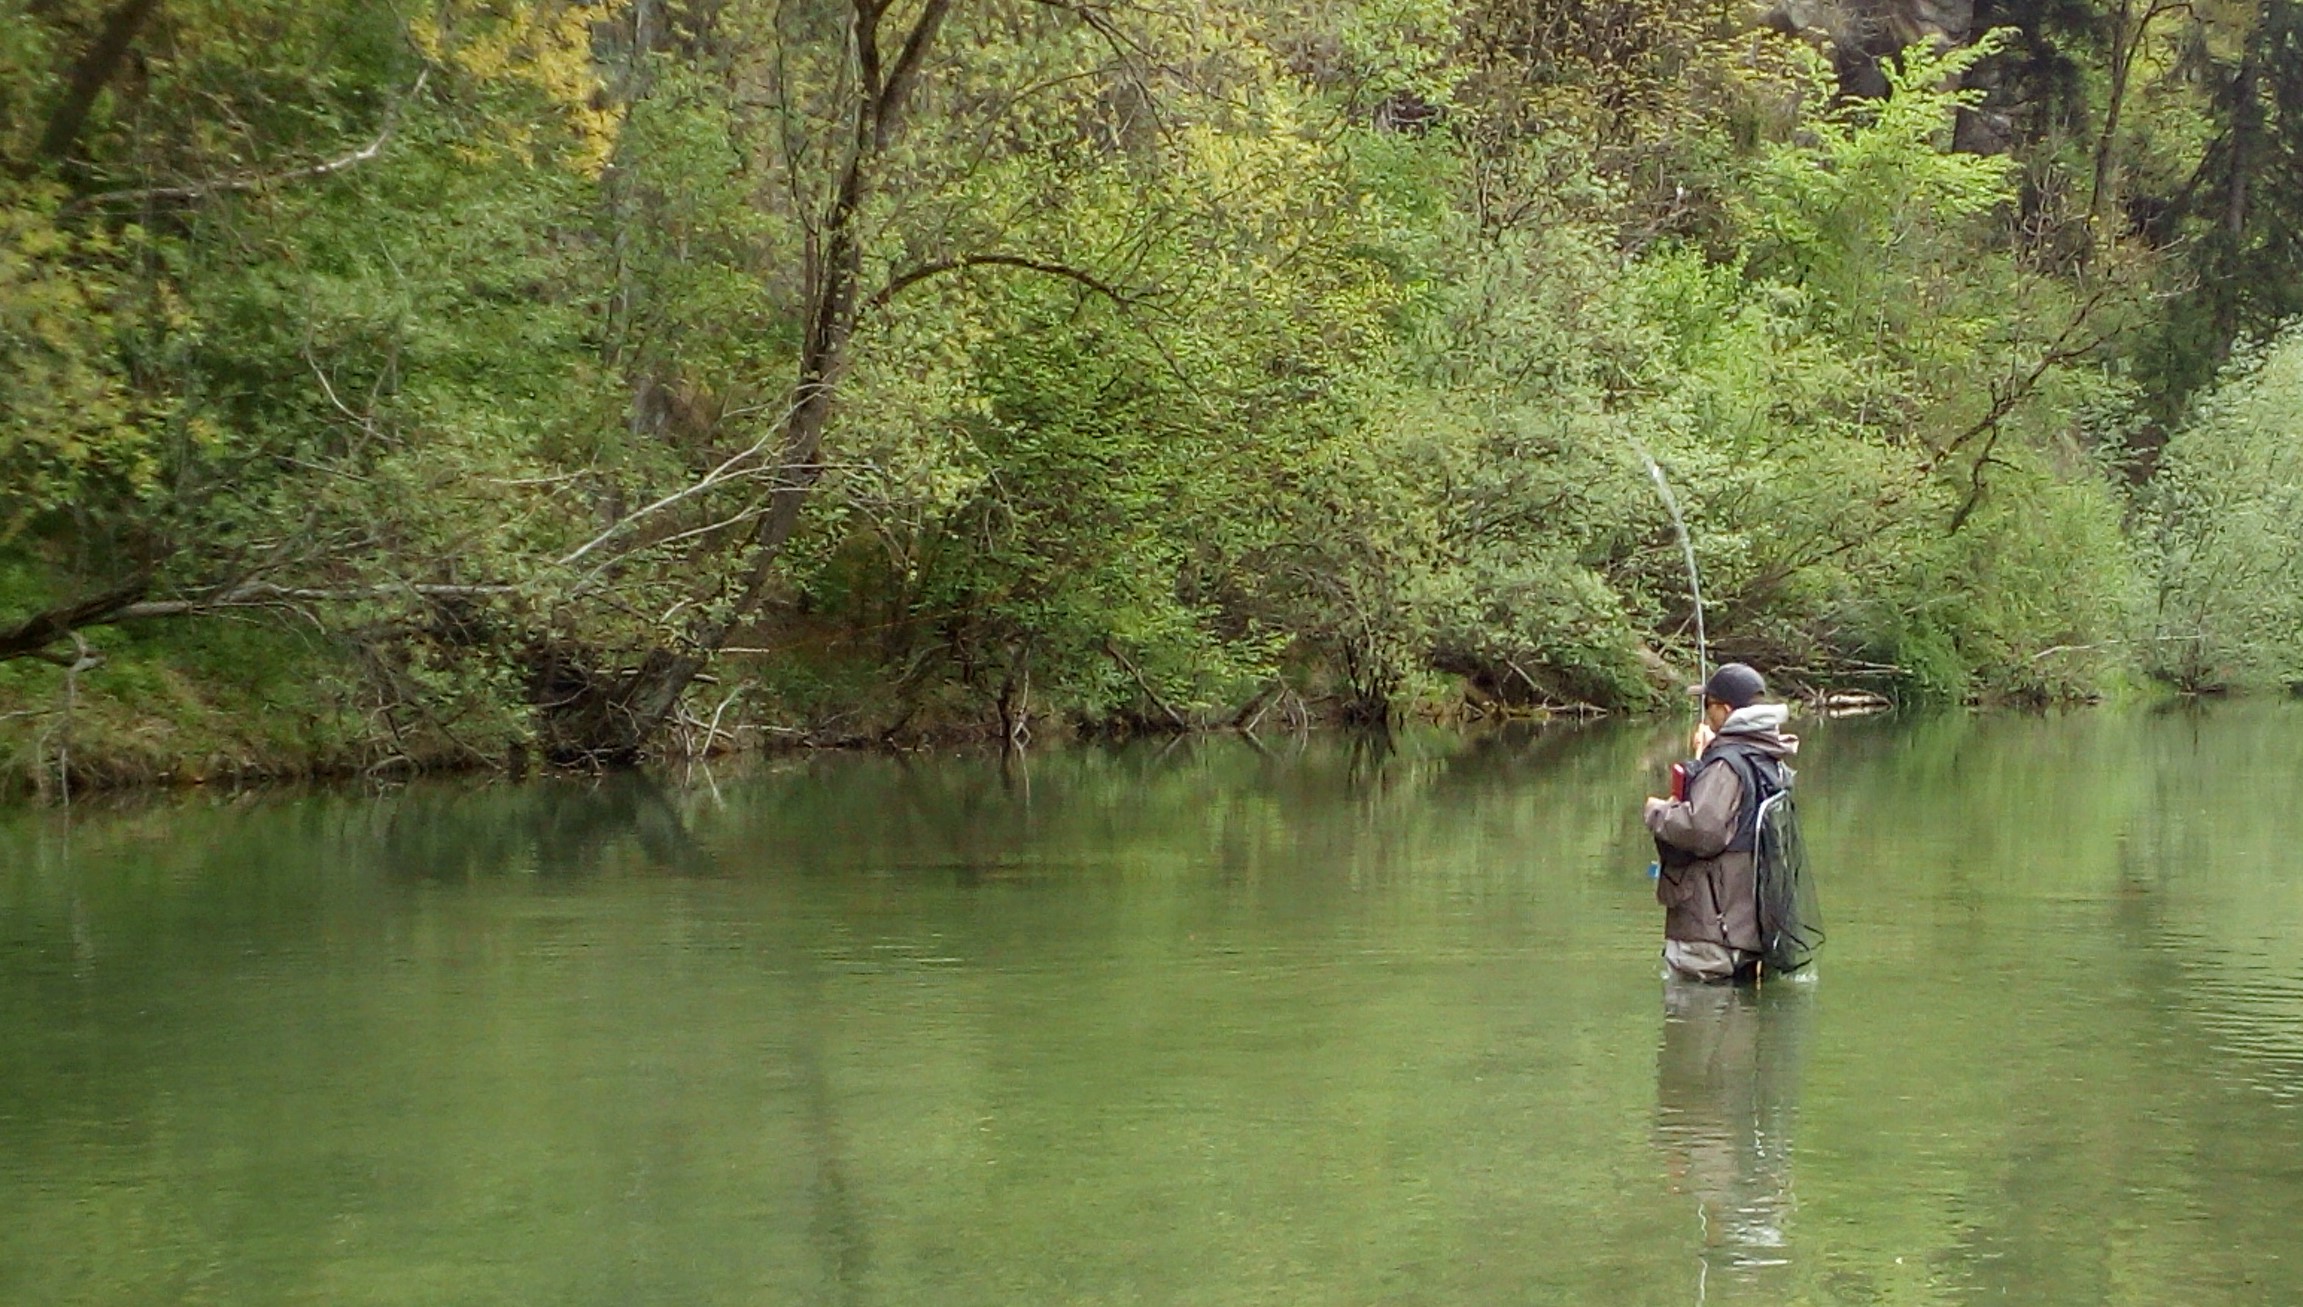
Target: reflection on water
[
  {"x": 1727, "y": 1107},
  {"x": 1328, "y": 1021}
]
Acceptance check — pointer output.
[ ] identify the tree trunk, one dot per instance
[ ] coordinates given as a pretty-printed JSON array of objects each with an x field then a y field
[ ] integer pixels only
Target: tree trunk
[
  {"x": 615, "y": 721},
  {"x": 609, "y": 721},
  {"x": 2242, "y": 157},
  {"x": 2244, "y": 126},
  {"x": 91, "y": 75},
  {"x": 2123, "y": 46}
]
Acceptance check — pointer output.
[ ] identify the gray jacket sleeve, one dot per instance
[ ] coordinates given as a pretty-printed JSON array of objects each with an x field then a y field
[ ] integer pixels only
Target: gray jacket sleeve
[{"x": 1702, "y": 826}]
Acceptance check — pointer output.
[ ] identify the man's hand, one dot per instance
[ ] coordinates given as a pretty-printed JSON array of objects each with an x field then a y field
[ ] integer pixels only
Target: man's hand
[
  {"x": 1702, "y": 739},
  {"x": 1653, "y": 803}
]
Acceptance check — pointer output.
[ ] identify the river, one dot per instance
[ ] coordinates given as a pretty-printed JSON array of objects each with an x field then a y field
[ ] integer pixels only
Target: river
[{"x": 1324, "y": 1022}]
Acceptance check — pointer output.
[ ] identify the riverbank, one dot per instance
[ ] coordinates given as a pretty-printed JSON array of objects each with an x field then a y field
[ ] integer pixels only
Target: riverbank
[{"x": 217, "y": 703}]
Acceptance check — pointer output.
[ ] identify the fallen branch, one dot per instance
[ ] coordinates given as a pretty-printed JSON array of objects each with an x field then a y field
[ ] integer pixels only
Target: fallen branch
[
  {"x": 32, "y": 637},
  {"x": 2194, "y": 637},
  {"x": 1251, "y": 713}
]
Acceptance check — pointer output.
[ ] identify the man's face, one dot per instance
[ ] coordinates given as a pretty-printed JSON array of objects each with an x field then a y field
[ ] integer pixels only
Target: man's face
[{"x": 1716, "y": 712}]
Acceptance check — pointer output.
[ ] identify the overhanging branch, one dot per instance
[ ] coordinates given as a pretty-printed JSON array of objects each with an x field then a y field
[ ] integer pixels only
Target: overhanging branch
[
  {"x": 265, "y": 181},
  {"x": 34, "y": 634},
  {"x": 915, "y": 276},
  {"x": 32, "y": 637}
]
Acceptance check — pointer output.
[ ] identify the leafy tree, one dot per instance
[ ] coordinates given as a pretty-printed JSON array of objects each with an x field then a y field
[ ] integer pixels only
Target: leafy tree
[{"x": 2225, "y": 509}]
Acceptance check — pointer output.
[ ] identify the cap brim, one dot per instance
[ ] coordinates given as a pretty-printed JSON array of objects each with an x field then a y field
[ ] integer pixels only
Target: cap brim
[{"x": 1694, "y": 691}]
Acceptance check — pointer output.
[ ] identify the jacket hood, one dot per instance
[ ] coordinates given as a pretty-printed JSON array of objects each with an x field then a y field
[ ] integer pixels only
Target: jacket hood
[{"x": 1761, "y": 725}]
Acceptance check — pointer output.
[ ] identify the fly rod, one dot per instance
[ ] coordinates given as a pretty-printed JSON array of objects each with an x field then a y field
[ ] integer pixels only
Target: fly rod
[{"x": 1687, "y": 551}]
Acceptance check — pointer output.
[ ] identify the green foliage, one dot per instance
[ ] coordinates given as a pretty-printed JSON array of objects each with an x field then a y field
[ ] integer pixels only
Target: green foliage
[
  {"x": 1867, "y": 197},
  {"x": 74, "y": 429},
  {"x": 2225, "y": 513},
  {"x": 1890, "y": 437},
  {"x": 1191, "y": 358}
]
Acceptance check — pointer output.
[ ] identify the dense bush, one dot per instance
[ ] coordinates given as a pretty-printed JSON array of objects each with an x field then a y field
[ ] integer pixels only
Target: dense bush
[{"x": 2225, "y": 513}]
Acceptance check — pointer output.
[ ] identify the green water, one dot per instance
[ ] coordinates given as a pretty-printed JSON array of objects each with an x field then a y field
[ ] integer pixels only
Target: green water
[{"x": 1327, "y": 1024}]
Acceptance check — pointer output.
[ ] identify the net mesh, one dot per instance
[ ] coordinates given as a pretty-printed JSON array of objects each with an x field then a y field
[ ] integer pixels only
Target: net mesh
[{"x": 1790, "y": 919}]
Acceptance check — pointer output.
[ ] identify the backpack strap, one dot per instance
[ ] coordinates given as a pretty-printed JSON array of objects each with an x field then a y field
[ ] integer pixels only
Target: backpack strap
[{"x": 1761, "y": 774}]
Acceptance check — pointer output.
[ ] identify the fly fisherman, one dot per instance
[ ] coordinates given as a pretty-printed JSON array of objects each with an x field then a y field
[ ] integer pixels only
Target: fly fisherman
[{"x": 1706, "y": 880}]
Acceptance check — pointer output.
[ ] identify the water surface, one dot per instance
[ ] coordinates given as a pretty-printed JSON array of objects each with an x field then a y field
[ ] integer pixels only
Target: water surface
[{"x": 1328, "y": 1022}]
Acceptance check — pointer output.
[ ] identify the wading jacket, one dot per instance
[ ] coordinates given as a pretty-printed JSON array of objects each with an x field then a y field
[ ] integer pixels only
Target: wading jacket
[{"x": 1706, "y": 888}]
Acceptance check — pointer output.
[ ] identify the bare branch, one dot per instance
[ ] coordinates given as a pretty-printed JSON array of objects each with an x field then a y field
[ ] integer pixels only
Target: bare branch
[
  {"x": 723, "y": 473},
  {"x": 265, "y": 181},
  {"x": 583, "y": 587},
  {"x": 913, "y": 277},
  {"x": 264, "y": 595}
]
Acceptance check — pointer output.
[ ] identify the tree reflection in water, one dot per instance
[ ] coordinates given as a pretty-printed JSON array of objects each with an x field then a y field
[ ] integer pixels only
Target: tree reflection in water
[{"x": 1727, "y": 1104}]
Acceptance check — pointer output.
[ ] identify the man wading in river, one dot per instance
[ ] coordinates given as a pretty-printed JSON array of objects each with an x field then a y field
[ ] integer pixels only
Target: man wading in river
[{"x": 1706, "y": 878}]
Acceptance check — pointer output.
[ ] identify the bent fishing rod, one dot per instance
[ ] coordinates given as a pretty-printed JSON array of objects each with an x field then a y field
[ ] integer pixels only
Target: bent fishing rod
[{"x": 1687, "y": 551}]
